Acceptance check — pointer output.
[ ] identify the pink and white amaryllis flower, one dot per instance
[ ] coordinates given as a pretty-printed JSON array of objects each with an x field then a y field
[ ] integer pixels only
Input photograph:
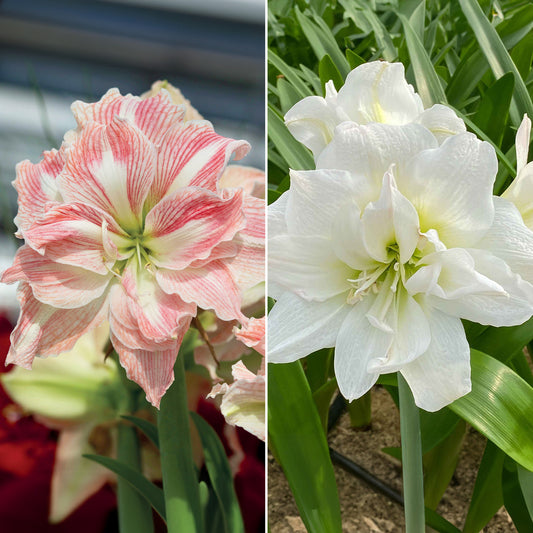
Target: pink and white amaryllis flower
[
  {"x": 243, "y": 401},
  {"x": 373, "y": 92},
  {"x": 383, "y": 249},
  {"x": 127, "y": 222}
]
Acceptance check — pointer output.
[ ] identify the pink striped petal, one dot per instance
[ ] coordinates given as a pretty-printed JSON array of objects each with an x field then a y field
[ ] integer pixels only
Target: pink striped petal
[
  {"x": 253, "y": 334},
  {"x": 153, "y": 371},
  {"x": 36, "y": 187},
  {"x": 153, "y": 116},
  {"x": 187, "y": 226},
  {"x": 210, "y": 287},
  {"x": 55, "y": 284},
  {"x": 248, "y": 265},
  {"x": 79, "y": 235},
  {"x": 43, "y": 330},
  {"x": 252, "y": 180},
  {"x": 143, "y": 316},
  {"x": 112, "y": 168},
  {"x": 193, "y": 155}
]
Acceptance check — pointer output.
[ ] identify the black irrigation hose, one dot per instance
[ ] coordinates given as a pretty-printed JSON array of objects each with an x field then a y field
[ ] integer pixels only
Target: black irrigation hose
[
  {"x": 365, "y": 475},
  {"x": 335, "y": 411}
]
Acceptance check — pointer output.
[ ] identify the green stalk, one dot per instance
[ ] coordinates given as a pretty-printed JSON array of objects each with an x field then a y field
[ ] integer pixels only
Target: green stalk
[
  {"x": 180, "y": 482},
  {"x": 413, "y": 476},
  {"x": 134, "y": 512}
]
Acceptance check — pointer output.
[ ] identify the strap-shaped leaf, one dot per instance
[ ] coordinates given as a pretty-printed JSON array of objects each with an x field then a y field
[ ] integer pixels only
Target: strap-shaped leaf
[
  {"x": 298, "y": 442},
  {"x": 498, "y": 57},
  {"x": 219, "y": 472},
  {"x": 499, "y": 406},
  {"x": 152, "y": 494},
  {"x": 149, "y": 429}
]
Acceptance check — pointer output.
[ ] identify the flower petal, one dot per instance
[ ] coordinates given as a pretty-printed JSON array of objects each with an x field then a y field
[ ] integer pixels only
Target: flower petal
[
  {"x": 358, "y": 343},
  {"x": 53, "y": 283},
  {"x": 252, "y": 180},
  {"x": 451, "y": 188},
  {"x": 442, "y": 122},
  {"x": 210, "y": 287},
  {"x": 78, "y": 234},
  {"x": 297, "y": 327},
  {"x": 312, "y": 120},
  {"x": 368, "y": 151},
  {"x": 391, "y": 220},
  {"x": 315, "y": 198},
  {"x": 153, "y": 116},
  {"x": 112, "y": 168},
  {"x": 74, "y": 478},
  {"x": 378, "y": 92},
  {"x": 187, "y": 225},
  {"x": 520, "y": 192},
  {"x": 277, "y": 223},
  {"x": 36, "y": 187},
  {"x": 442, "y": 373},
  {"x": 522, "y": 143},
  {"x": 509, "y": 239},
  {"x": 44, "y": 330},
  {"x": 307, "y": 266},
  {"x": 193, "y": 155}
]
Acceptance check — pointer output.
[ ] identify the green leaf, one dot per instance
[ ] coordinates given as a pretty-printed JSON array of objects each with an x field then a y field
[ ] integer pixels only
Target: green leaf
[
  {"x": 487, "y": 497},
  {"x": 290, "y": 73},
  {"x": 503, "y": 343},
  {"x": 287, "y": 95},
  {"x": 296, "y": 155},
  {"x": 440, "y": 464},
  {"x": 513, "y": 498},
  {"x": 152, "y": 494},
  {"x": 435, "y": 427},
  {"x": 219, "y": 472},
  {"x": 525, "y": 478},
  {"x": 427, "y": 81},
  {"x": 364, "y": 17},
  {"x": 353, "y": 59},
  {"x": 499, "y": 59},
  {"x": 322, "y": 40},
  {"x": 328, "y": 71},
  {"x": 149, "y": 429},
  {"x": 499, "y": 406},
  {"x": 322, "y": 398},
  {"x": 298, "y": 442},
  {"x": 493, "y": 110}
]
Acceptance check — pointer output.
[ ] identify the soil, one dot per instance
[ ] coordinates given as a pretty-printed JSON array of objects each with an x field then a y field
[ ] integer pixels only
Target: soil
[{"x": 363, "y": 509}]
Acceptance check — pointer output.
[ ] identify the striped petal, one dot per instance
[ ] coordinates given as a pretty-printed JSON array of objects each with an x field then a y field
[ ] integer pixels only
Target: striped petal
[
  {"x": 36, "y": 187},
  {"x": 153, "y": 371},
  {"x": 186, "y": 226},
  {"x": 112, "y": 168},
  {"x": 193, "y": 155},
  {"x": 44, "y": 330},
  {"x": 153, "y": 116},
  {"x": 252, "y": 180},
  {"x": 55, "y": 284},
  {"x": 78, "y": 234},
  {"x": 210, "y": 287}
]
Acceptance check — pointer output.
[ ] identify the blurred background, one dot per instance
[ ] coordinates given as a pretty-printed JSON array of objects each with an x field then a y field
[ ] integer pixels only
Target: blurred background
[{"x": 56, "y": 51}]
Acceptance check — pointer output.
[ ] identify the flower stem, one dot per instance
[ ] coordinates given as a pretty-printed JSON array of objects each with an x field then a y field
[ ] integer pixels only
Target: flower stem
[
  {"x": 413, "y": 477},
  {"x": 180, "y": 482},
  {"x": 134, "y": 512}
]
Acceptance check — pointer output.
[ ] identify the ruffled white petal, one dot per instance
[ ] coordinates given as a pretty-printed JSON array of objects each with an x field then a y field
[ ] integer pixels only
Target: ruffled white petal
[
  {"x": 442, "y": 122},
  {"x": 297, "y": 328}
]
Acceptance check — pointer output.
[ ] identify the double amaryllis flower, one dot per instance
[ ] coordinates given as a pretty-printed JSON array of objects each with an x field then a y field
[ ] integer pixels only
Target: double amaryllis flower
[
  {"x": 126, "y": 222},
  {"x": 384, "y": 247}
]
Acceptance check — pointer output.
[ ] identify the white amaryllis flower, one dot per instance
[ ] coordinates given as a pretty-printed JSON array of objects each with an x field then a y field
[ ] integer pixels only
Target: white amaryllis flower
[
  {"x": 382, "y": 250},
  {"x": 373, "y": 92}
]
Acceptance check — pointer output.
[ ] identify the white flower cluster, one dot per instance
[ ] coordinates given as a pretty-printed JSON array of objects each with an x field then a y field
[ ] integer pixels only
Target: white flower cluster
[{"x": 393, "y": 238}]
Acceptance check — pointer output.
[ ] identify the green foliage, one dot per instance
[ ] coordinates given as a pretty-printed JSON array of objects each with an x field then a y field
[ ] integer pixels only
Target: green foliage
[{"x": 465, "y": 55}]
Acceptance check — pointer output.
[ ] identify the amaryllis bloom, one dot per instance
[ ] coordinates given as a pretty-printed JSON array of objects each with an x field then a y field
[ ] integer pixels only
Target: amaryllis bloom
[
  {"x": 78, "y": 395},
  {"x": 383, "y": 249},
  {"x": 373, "y": 92},
  {"x": 176, "y": 96},
  {"x": 243, "y": 401},
  {"x": 127, "y": 223}
]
